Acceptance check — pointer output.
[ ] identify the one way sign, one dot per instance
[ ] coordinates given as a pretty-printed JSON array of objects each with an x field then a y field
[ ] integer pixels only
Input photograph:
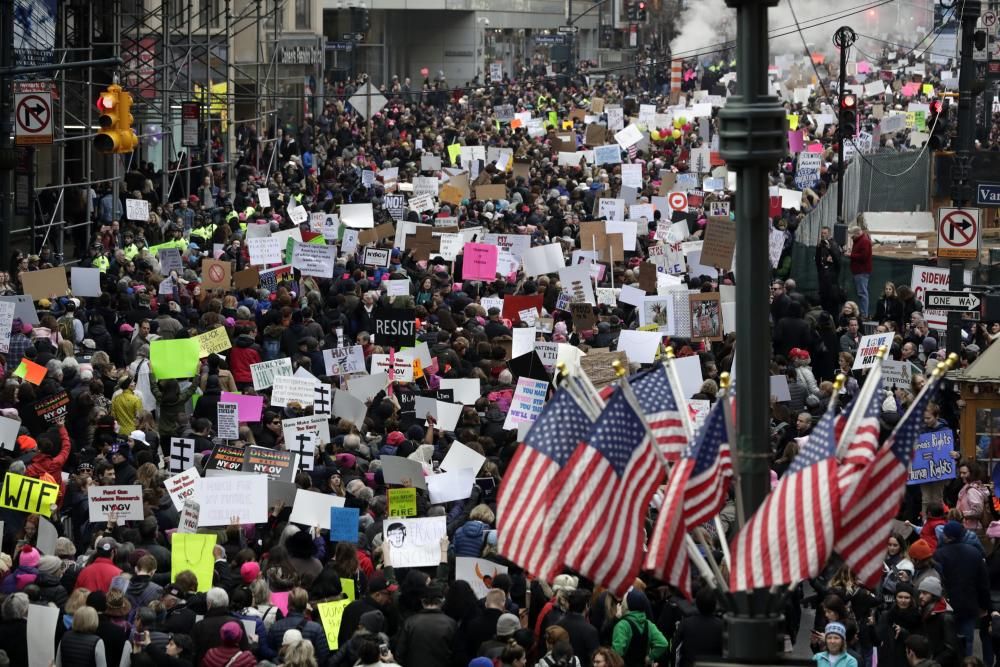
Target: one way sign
[{"x": 962, "y": 302}]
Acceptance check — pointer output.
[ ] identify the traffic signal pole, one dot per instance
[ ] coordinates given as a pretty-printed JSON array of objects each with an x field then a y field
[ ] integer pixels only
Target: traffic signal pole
[
  {"x": 961, "y": 170},
  {"x": 842, "y": 39}
]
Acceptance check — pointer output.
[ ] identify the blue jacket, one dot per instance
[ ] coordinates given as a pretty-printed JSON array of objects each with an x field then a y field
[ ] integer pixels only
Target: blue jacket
[
  {"x": 470, "y": 539},
  {"x": 824, "y": 659},
  {"x": 964, "y": 577},
  {"x": 311, "y": 632}
]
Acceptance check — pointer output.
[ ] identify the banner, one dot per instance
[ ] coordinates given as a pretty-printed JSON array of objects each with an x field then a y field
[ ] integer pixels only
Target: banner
[
  {"x": 27, "y": 494},
  {"x": 53, "y": 409},
  {"x": 276, "y": 465}
]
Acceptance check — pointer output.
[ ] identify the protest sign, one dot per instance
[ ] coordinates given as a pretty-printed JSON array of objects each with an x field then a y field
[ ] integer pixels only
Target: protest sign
[
  {"x": 401, "y": 471},
  {"x": 9, "y": 428},
  {"x": 479, "y": 572},
  {"x": 43, "y": 619},
  {"x": 349, "y": 407},
  {"x": 314, "y": 260},
  {"x": 175, "y": 358},
  {"x": 189, "y": 515},
  {"x": 264, "y": 373},
  {"x": 248, "y": 408},
  {"x": 378, "y": 258},
  {"x": 276, "y": 465},
  {"x": 228, "y": 496},
  {"x": 414, "y": 542},
  {"x": 480, "y": 261},
  {"x": 181, "y": 487},
  {"x": 182, "y": 454},
  {"x": 313, "y": 509},
  {"x": 720, "y": 242},
  {"x": 85, "y": 281},
  {"x": 304, "y": 434},
  {"x": 53, "y": 409},
  {"x": 224, "y": 457},
  {"x": 44, "y": 283},
  {"x": 227, "y": 420},
  {"x": 216, "y": 274},
  {"x": 27, "y": 494},
  {"x": 706, "y": 316},
  {"x": 868, "y": 350},
  {"x": 358, "y": 216},
  {"x": 287, "y": 389},
  {"x": 194, "y": 552},
  {"x": 124, "y": 501},
  {"x": 446, "y": 487},
  {"x": 344, "y": 360},
  {"x": 6, "y": 324},
  {"x": 543, "y": 259},
  {"x": 331, "y": 614},
  {"x": 24, "y": 307},
  {"x": 322, "y": 398},
  {"x": 395, "y": 327},
  {"x": 527, "y": 403},
  {"x": 932, "y": 458},
  {"x": 213, "y": 341},
  {"x": 896, "y": 374},
  {"x": 403, "y": 502},
  {"x": 344, "y": 524},
  {"x": 264, "y": 250}
]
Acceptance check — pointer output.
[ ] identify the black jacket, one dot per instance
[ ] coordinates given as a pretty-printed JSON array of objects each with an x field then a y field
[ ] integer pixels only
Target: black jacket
[
  {"x": 352, "y": 618},
  {"x": 582, "y": 635},
  {"x": 205, "y": 633},
  {"x": 427, "y": 640},
  {"x": 964, "y": 576}
]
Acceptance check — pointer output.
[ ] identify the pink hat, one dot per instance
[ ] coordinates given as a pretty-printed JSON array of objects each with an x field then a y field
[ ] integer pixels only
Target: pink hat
[
  {"x": 395, "y": 438},
  {"x": 26, "y": 328},
  {"x": 231, "y": 633},
  {"x": 249, "y": 572},
  {"x": 30, "y": 556}
]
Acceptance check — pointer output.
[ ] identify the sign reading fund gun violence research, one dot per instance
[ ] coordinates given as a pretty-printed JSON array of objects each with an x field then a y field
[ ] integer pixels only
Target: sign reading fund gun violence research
[
  {"x": 868, "y": 350},
  {"x": 395, "y": 327},
  {"x": 932, "y": 458},
  {"x": 124, "y": 501}
]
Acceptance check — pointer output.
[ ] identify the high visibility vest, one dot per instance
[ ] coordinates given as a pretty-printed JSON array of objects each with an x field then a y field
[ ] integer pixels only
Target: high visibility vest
[{"x": 101, "y": 262}]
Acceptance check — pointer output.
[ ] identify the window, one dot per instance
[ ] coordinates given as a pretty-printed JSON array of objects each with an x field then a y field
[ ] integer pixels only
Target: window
[{"x": 303, "y": 14}]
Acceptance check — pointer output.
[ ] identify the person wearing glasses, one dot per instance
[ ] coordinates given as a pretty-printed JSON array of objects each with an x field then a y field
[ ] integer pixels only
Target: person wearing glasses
[{"x": 270, "y": 432}]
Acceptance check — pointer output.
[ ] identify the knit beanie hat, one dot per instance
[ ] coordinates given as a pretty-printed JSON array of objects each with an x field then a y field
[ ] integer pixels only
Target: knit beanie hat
[
  {"x": 920, "y": 550},
  {"x": 30, "y": 556},
  {"x": 231, "y": 633},
  {"x": 50, "y": 565},
  {"x": 249, "y": 572},
  {"x": 836, "y": 629}
]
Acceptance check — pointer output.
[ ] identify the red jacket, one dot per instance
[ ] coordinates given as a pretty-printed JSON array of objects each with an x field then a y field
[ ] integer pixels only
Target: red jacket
[
  {"x": 98, "y": 575},
  {"x": 928, "y": 534},
  {"x": 240, "y": 359},
  {"x": 861, "y": 254},
  {"x": 220, "y": 656},
  {"x": 53, "y": 465}
]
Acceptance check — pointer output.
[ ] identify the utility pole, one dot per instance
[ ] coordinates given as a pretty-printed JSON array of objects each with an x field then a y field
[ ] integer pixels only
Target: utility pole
[
  {"x": 961, "y": 170},
  {"x": 843, "y": 39},
  {"x": 8, "y": 156},
  {"x": 753, "y": 139}
]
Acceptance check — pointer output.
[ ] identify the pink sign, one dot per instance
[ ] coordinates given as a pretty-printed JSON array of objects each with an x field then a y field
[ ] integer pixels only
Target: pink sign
[
  {"x": 815, "y": 147},
  {"x": 248, "y": 408},
  {"x": 864, "y": 67},
  {"x": 280, "y": 600},
  {"x": 795, "y": 141},
  {"x": 911, "y": 89},
  {"x": 480, "y": 261}
]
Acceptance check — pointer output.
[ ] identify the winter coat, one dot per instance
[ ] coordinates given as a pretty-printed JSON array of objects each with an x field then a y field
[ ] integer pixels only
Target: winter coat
[
  {"x": 939, "y": 628},
  {"x": 845, "y": 659},
  {"x": 220, "y": 656},
  {"x": 51, "y": 589},
  {"x": 241, "y": 357},
  {"x": 171, "y": 411},
  {"x": 698, "y": 636},
  {"x": 98, "y": 575},
  {"x": 205, "y": 633},
  {"x": 891, "y": 649},
  {"x": 964, "y": 577},
  {"x": 861, "y": 255},
  {"x": 311, "y": 631},
  {"x": 621, "y": 642},
  {"x": 17, "y": 579},
  {"x": 81, "y": 649},
  {"x": 427, "y": 640},
  {"x": 470, "y": 539}
]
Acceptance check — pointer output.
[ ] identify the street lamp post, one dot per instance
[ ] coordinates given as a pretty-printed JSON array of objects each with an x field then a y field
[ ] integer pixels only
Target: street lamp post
[{"x": 752, "y": 140}]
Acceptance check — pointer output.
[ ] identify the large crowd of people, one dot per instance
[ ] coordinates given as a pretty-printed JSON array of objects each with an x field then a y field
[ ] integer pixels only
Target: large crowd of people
[{"x": 120, "y": 599}]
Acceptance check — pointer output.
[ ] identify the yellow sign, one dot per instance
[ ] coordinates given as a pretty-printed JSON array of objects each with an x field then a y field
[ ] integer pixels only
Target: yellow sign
[
  {"x": 403, "y": 502},
  {"x": 195, "y": 552},
  {"x": 214, "y": 341},
  {"x": 454, "y": 151},
  {"x": 27, "y": 494},
  {"x": 347, "y": 586},
  {"x": 330, "y": 615},
  {"x": 793, "y": 122},
  {"x": 418, "y": 371}
]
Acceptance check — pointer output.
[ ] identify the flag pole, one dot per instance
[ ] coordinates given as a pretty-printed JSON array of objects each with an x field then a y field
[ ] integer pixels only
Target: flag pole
[
  {"x": 675, "y": 387},
  {"x": 939, "y": 371},
  {"x": 872, "y": 384},
  {"x": 696, "y": 556},
  {"x": 727, "y": 412}
]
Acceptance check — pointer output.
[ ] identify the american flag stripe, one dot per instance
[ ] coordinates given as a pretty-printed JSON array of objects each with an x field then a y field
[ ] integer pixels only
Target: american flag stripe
[
  {"x": 863, "y": 440},
  {"x": 706, "y": 492},
  {"x": 659, "y": 405},
  {"x": 667, "y": 557},
  {"x": 862, "y": 534},
  {"x": 791, "y": 536}
]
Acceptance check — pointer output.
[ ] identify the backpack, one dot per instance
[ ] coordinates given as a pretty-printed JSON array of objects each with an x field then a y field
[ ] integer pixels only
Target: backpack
[
  {"x": 65, "y": 326},
  {"x": 638, "y": 647}
]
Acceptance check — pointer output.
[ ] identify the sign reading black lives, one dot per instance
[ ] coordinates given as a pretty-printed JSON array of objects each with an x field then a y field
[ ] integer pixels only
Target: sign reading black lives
[{"x": 395, "y": 327}]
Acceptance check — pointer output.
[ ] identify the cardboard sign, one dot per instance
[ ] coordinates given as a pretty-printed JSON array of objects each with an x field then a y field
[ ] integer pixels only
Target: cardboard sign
[
  {"x": 479, "y": 572},
  {"x": 227, "y": 420},
  {"x": 248, "y": 408},
  {"x": 303, "y": 435},
  {"x": 265, "y": 372},
  {"x": 344, "y": 524},
  {"x": 403, "y": 502},
  {"x": 932, "y": 458},
  {"x": 331, "y": 615},
  {"x": 480, "y": 261},
  {"x": 181, "y": 487},
  {"x": 344, "y": 360},
  {"x": 383, "y": 231},
  {"x": 314, "y": 260},
  {"x": 182, "y": 454},
  {"x": 584, "y": 318},
  {"x": 214, "y": 341},
  {"x": 313, "y": 509},
  {"x": 27, "y": 494},
  {"x": 395, "y": 327},
  {"x": 491, "y": 192},
  {"x": 86, "y": 281},
  {"x": 216, "y": 274},
  {"x": 125, "y": 501},
  {"x": 379, "y": 258},
  {"x": 706, "y": 316},
  {"x": 195, "y": 553},
  {"x": 45, "y": 283},
  {"x": 415, "y": 542},
  {"x": 512, "y": 305},
  {"x": 189, "y": 517},
  {"x": 720, "y": 242},
  {"x": 53, "y": 409},
  {"x": 288, "y": 389},
  {"x": 247, "y": 278}
]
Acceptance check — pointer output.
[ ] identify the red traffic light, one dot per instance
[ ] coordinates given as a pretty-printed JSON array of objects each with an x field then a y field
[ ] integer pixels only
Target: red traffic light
[
  {"x": 105, "y": 102},
  {"x": 642, "y": 6},
  {"x": 849, "y": 101}
]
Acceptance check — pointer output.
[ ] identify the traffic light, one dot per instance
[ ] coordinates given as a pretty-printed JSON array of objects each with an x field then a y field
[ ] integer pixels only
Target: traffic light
[
  {"x": 631, "y": 10},
  {"x": 116, "y": 134},
  {"x": 848, "y": 115},
  {"x": 937, "y": 122},
  {"x": 360, "y": 19},
  {"x": 640, "y": 11}
]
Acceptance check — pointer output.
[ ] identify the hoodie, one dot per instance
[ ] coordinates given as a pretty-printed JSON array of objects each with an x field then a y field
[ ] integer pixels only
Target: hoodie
[
  {"x": 141, "y": 590},
  {"x": 241, "y": 357}
]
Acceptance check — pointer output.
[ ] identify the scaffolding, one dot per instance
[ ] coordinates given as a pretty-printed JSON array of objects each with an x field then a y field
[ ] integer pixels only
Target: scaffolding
[{"x": 172, "y": 51}]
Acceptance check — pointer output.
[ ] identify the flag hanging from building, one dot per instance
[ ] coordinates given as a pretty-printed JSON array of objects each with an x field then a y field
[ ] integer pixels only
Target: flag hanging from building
[
  {"x": 697, "y": 491},
  {"x": 791, "y": 535},
  {"x": 865, "y": 524},
  {"x": 601, "y": 499},
  {"x": 523, "y": 500},
  {"x": 659, "y": 406}
]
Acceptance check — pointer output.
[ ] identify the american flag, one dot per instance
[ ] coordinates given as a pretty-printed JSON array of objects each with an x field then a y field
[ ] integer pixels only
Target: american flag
[
  {"x": 658, "y": 404},
  {"x": 523, "y": 500},
  {"x": 791, "y": 536},
  {"x": 696, "y": 492},
  {"x": 866, "y": 523},
  {"x": 863, "y": 440},
  {"x": 601, "y": 498},
  {"x": 633, "y": 150}
]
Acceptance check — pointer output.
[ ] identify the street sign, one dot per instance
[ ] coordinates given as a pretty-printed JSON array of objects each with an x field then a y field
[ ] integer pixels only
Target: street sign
[
  {"x": 958, "y": 233},
  {"x": 568, "y": 29},
  {"x": 368, "y": 101},
  {"x": 678, "y": 201},
  {"x": 956, "y": 302},
  {"x": 190, "y": 124},
  {"x": 32, "y": 119},
  {"x": 988, "y": 194},
  {"x": 990, "y": 21}
]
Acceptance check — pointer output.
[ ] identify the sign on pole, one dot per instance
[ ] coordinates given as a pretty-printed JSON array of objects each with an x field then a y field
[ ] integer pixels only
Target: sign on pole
[
  {"x": 32, "y": 119},
  {"x": 958, "y": 233},
  {"x": 957, "y": 302}
]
